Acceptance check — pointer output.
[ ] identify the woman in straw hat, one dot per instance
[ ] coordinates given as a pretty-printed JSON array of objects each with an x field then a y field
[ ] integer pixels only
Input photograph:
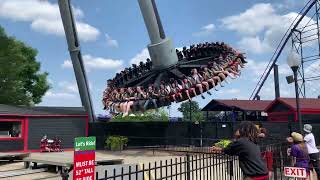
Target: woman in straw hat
[{"x": 299, "y": 152}]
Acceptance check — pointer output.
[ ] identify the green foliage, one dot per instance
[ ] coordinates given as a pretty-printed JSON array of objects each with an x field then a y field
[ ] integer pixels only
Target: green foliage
[
  {"x": 151, "y": 115},
  {"x": 223, "y": 143},
  {"x": 21, "y": 83},
  {"x": 196, "y": 113},
  {"x": 116, "y": 143}
]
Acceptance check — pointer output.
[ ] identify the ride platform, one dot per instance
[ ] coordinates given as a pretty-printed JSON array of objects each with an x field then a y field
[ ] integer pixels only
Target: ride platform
[
  {"x": 13, "y": 156},
  {"x": 64, "y": 160}
]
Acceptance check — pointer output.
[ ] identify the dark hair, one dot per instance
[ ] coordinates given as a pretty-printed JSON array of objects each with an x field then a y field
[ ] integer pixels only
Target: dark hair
[{"x": 248, "y": 130}]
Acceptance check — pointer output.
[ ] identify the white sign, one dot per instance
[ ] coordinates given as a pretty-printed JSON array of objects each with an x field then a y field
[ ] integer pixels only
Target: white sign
[{"x": 295, "y": 172}]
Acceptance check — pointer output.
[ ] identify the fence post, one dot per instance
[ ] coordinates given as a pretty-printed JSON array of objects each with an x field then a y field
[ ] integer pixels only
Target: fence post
[
  {"x": 275, "y": 170},
  {"x": 64, "y": 174},
  {"x": 188, "y": 167},
  {"x": 231, "y": 166}
]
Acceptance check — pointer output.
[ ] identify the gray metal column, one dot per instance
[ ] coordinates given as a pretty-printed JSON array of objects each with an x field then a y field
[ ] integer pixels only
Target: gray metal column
[
  {"x": 75, "y": 54},
  {"x": 296, "y": 85},
  {"x": 276, "y": 80},
  {"x": 161, "y": 49}
]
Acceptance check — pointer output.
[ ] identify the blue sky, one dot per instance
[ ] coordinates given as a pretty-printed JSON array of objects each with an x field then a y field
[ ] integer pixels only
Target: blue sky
[{"x": 113, "y": 35}]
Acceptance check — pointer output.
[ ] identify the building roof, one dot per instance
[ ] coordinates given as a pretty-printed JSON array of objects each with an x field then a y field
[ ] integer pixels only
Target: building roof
[
  {"x": 40, "y": 110},
  {"x": 237, "y": 105},
  {"x": 305, "y": 103}
]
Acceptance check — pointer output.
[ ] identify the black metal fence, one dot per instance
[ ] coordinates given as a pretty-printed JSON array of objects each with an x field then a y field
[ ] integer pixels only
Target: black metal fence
[
  {"x": 198, "y": 163},
  {"x": 166, "y": 136},
  {"x": 186, "y": 133},
  {"x": 188, "y": 167},
  {"x": 277, "y": 157}
]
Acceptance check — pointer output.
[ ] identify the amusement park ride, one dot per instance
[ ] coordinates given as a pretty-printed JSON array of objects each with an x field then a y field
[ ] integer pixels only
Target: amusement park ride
[{"x": 173, "y": 75}]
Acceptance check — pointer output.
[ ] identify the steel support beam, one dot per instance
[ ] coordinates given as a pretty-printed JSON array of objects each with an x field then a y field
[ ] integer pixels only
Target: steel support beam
[
  {"x": 75, "y": 54},
  {"x": 276, "y": 81},
  {"x": 161, "y": 49}
]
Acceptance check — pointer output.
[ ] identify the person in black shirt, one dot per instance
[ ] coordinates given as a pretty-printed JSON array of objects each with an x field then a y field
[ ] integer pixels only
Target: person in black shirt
[
  {"x": 142, "y": 67},
  {"x": 148, "y": 64},
  {"x": 134, "y": 70},
  {"x": 246, "y": 148},
  {"x": 185, "y": 52},
  {"x": 179, "y": 54}
]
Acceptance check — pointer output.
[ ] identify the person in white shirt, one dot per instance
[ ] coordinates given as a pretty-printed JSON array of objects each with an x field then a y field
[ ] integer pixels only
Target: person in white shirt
[{"x": 312, "y": 148}]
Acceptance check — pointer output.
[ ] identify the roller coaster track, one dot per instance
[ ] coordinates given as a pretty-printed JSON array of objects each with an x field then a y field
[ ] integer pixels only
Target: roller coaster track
[{"x": 280, "y": 47}]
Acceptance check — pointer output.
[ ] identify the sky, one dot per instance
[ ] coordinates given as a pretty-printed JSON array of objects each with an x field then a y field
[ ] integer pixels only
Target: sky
[{"x": 113, "y": 36}]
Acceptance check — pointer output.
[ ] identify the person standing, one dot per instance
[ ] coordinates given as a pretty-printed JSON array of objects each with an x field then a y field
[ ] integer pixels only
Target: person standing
[
  {"x": 311, "y": 147},
  {"x": 246, "y": 148},
  {"x": 299, "y": 152}
]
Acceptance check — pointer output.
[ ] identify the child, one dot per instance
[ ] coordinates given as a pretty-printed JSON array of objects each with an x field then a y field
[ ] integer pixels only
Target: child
[{"x": 245, "y": 146}]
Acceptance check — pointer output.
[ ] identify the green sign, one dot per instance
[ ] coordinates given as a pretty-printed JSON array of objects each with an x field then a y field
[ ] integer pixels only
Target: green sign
[{"x": 85, "y": 143}]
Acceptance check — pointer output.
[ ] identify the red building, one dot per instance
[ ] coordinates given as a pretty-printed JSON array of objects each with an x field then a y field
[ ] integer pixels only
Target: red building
[
  {"x": 284, "y": 110},
  {"x": 21, "y": 128}
]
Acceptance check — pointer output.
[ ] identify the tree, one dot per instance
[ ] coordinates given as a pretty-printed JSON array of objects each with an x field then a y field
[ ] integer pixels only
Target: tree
[
  {"x": 196, "y": 114},
  {"x": 21, "y": 83}
]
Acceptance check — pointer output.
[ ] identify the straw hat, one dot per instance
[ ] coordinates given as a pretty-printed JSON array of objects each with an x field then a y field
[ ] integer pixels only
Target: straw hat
[{"x": 297, "y": 137}]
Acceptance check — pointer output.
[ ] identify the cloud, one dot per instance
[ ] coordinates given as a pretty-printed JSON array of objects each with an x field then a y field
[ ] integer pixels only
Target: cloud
[
  {"x": 313, "y": 69},
  {"x": 60, "y": 98},
  {"x": 101, "y": 63},
  {"x": 251, "y": 21},
  {"x": 142, "y": 56},
  {"x": 232, "y": 91},
  {"x": 44, "y": 17},
  {"x": 111, "y": 42},
  {"x": 312, "y": 74},
  {"x": 229, "y": 92},
  {"x": 253, "y": 44},
  {"x": 205, "y": 30},
  {"x": 61, "y": 95},
  {"x": 64, "y": 93},
  {"x": 262, "y": 28},
  {"x": 68, "y": 87},
  {"x": 96, "y": 63},
  {"x": 67, "y": 64},
  {"x": 268, "y": 91},
  {"x": 291, "y": 4},
  {"x": 254, "y": 70}
]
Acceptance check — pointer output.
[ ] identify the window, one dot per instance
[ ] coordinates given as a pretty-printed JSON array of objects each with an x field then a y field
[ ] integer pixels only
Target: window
[{"x": 10, "y": 129}]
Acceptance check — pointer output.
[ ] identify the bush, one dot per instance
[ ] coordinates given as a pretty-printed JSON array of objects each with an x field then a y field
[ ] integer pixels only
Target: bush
[
  {"x": 116, "y": 143},
  {"x": 223, "y": 143},
  {"x": 151, "y": 115}
]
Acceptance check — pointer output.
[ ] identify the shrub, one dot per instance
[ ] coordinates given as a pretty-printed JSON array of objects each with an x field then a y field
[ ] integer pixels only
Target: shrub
[
  {"x": 116, "y": 143},
  {"x": 151, "y": 115},
  {"x": 223, "y": 143}
]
